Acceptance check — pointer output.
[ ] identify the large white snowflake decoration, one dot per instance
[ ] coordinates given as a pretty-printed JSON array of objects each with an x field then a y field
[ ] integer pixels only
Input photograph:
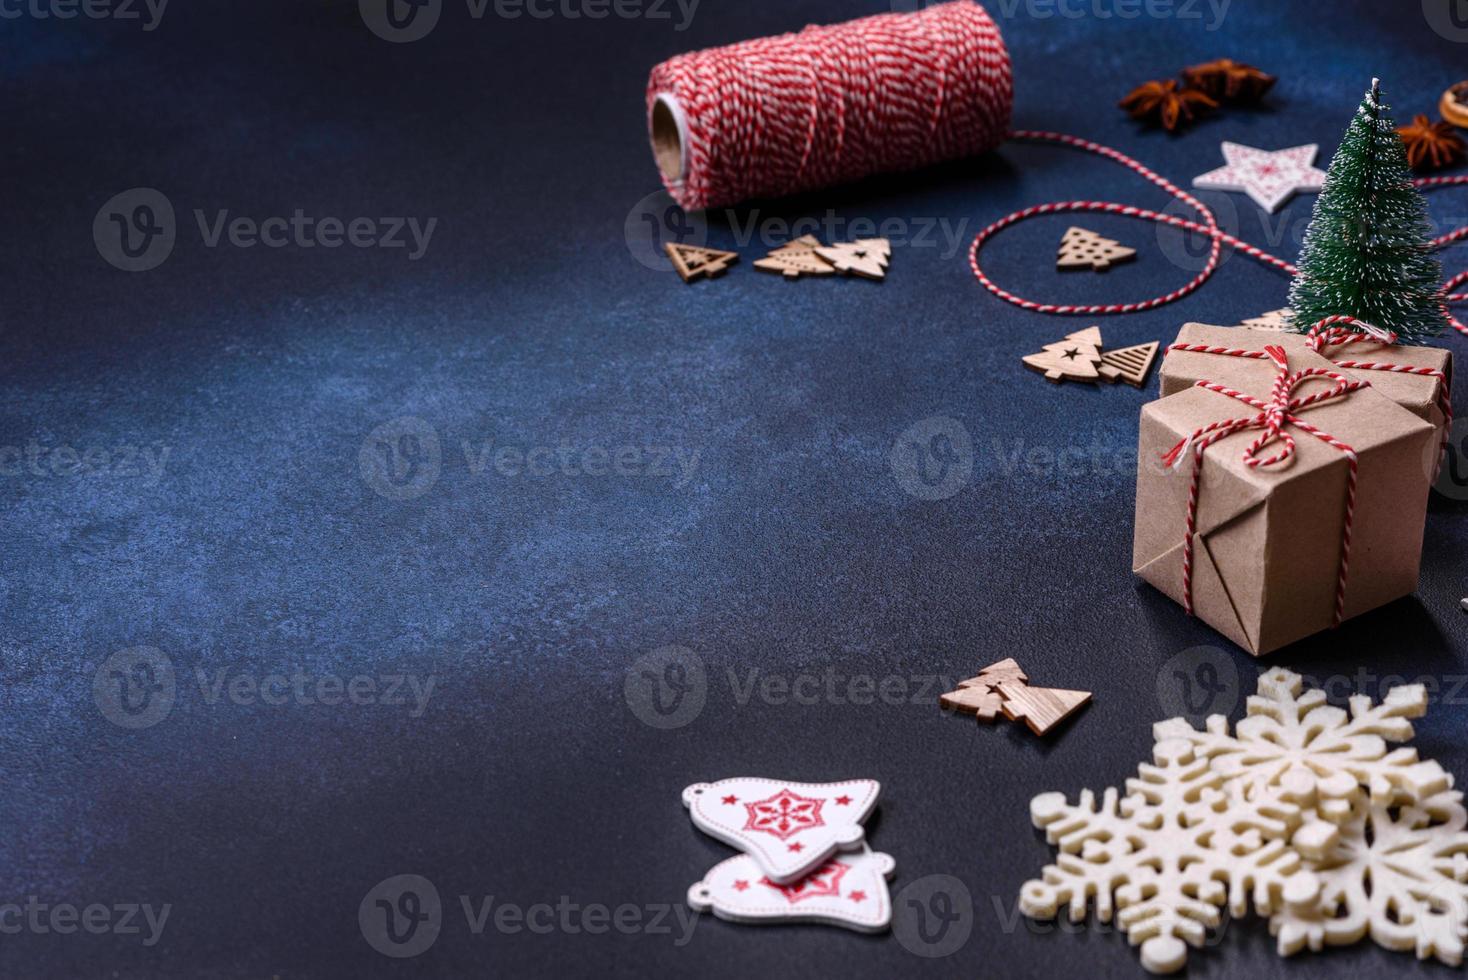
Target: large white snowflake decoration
[
  {"x": 1172, "y": 851},
  {"x": 1305, "y": 810},
  {"x": 1295, "y": 746},
  {"x": 1397, "y": 873}
]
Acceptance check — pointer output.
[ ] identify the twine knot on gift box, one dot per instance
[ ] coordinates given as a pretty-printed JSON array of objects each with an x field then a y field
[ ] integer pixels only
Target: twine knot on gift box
[{"x": 1273, "y": 418}]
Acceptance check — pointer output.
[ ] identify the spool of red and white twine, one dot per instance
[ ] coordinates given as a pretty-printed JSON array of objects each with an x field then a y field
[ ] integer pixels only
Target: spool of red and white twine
[
  {"x": 826, "y": 105},
  {"x": 779, "y": 115}
]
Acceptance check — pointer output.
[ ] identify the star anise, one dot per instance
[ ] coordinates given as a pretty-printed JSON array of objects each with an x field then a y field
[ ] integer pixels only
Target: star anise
[
  {"x": 1164, "y": 102},
  {"x": 1430, "y": 145},
  {"x": 1230, "y": 81}
]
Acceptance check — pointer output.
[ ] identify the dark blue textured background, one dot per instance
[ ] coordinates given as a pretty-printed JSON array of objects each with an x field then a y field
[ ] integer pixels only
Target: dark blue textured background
[{"x": 793, "y": 549}]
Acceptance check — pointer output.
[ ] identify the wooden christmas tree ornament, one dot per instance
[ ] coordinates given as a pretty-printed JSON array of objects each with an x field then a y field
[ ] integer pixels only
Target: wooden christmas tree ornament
[
  {"x": 1042, "y": 708},
  {"x": 693, "y": 261},
  {"x": 1004, "y": 688},
  {"x": 796, "y": 258},
  {"x": 1275, "y": 320},
  {"x": 865, "y": 257},
  {"x": 977, "y": 695},
  {"x": 1082, "y": 249},
  {"x": 1129, "y": 364},
  {"x": 1077, "y": 358}
]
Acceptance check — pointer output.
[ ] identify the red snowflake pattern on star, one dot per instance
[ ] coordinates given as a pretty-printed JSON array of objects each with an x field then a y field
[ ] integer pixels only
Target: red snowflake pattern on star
[
  {"x": 784, "y": 814},
  {"x": 825, "y": 880}
]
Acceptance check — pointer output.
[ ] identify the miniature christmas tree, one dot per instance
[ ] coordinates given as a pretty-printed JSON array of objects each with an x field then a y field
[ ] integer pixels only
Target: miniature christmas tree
[{"x": 1367, "y": 253}]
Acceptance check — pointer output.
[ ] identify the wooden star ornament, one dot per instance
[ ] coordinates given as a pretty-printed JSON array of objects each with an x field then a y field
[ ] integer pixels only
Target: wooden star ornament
[
  {"x": 1165, "y": 103},
  {"x": 1430, "y": 145}
]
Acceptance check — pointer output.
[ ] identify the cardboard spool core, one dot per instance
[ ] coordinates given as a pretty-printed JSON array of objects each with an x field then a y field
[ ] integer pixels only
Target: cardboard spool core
[{"x": 668, "y": 128}]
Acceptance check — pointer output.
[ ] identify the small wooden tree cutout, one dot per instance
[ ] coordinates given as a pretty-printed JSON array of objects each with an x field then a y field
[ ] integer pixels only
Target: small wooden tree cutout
[
  {"x": 1129, "y": 364},
  {"x": 1003, "y": 688},
  {"x": 977, "y": 695},
  {"x": 693, "y": 261},
  {"x": 1076, "y": 358},
  {"x": 796, "y": 258},
  {"x": 864, "y": 257},
  {"x": 1275, "y": 320},
  {"x": 1081, "y": 249},
  {"x": 1042, "y": 708}
]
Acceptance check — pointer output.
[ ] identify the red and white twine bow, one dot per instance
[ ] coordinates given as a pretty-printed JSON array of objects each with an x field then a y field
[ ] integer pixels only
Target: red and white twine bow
[{"x": 1274, "y": 418}]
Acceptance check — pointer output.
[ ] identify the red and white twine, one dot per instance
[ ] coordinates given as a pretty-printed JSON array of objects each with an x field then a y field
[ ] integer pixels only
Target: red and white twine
[
  {"x": 778, "y": 115},
  {"x": 1273, "y": 419},
  {"x": 1206, "y": 225},
  {"x": 1280, "y": 412}
]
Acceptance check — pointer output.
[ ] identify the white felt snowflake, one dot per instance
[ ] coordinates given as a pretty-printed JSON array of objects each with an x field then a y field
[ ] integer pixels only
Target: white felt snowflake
[
  {"x": 1166, "y": 857},
  {"x": 1294, "y": 746},
  {"x": 1399, "y": 873}
]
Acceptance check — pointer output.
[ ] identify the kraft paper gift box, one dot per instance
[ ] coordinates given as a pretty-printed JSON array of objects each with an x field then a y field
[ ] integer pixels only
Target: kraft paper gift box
[
  {"x": 1267, "y": 540},
  {"x": 1420, "y": 394}
]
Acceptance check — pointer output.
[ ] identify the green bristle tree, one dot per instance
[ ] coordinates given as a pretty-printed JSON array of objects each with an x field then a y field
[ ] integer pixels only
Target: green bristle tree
[{"x": 1367, "y": 253}]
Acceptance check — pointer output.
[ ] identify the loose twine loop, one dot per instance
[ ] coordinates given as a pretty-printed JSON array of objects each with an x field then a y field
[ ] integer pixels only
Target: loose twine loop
[{"x": 1207, "y": 225}]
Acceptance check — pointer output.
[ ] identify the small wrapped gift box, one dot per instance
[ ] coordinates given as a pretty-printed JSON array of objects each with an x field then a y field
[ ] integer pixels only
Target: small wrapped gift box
[{"x": 1283, "y": 480}]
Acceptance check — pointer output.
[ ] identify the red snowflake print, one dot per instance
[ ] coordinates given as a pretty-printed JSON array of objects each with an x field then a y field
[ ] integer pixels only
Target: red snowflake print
[
  {"x": 825, "y": 880},
  {"x": 784, "y": 814}
]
